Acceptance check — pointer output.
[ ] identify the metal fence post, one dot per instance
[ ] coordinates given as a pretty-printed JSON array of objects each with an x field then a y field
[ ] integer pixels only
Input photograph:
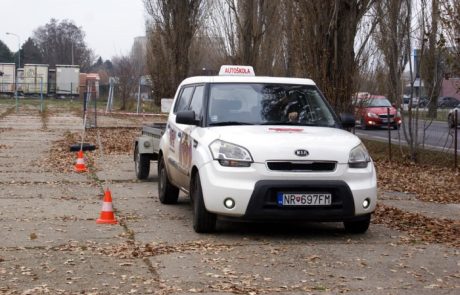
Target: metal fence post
[
  {"x": 455, "y": 137},
  {"x": 389, "y": 132},
  {"x": 41, "y": 94}
]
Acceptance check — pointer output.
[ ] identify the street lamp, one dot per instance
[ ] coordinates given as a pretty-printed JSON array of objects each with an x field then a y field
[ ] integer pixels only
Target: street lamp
[{"x": 19, "y": 47}]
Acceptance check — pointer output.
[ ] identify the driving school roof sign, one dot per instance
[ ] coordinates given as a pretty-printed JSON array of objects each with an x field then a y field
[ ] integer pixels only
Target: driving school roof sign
[{"x": 228, "y": 70}]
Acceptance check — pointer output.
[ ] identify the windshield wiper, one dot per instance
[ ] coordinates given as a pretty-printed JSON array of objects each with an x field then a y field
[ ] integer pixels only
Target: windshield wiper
[{"x": 226, "y": 123}]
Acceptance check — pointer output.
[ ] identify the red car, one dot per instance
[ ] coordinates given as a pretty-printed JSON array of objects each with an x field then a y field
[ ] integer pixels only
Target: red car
[{"x": 373, "y": 112}]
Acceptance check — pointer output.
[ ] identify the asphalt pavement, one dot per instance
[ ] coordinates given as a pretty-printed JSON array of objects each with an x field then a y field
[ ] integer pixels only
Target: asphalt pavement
[{"x": 432, "y": 135}]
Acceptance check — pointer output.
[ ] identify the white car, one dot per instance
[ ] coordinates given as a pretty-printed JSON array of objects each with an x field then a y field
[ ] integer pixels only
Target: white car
[{"x": 263, "y": 148}]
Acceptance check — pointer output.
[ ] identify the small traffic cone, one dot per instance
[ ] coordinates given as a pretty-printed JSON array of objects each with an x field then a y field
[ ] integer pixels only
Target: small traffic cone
[
  {"x": 107, "y": 215},
  {"x": 80, "y": 165}
]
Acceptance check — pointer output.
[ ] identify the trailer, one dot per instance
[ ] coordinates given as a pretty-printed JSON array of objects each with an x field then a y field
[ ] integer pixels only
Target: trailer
[
  {"x": 8, "y": 78},
  {"x": 52, "y": 81},
  {"x": 67, "y": 80},
  {"x": 20, "y": 79},
  {"x": 35, "y": 79}
]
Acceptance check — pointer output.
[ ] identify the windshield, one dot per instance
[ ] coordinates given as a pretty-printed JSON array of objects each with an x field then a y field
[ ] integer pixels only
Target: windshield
[
  {"x": 243, "y": 104},
  {"x": 376, "y": 102}
]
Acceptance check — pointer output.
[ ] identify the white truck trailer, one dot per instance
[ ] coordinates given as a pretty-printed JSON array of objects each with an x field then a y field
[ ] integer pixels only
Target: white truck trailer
[
  {"x": 67, "y": 80},
  {"x": 35, "y": 79},
  {"x": 7, "y": 78}
]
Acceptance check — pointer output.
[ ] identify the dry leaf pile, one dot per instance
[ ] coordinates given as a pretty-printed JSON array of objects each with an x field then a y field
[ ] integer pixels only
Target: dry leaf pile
[
  {"x": 429, "y": 183},
  {"x": 114, "y": 140},
  {"x": 419, "y": 227}
]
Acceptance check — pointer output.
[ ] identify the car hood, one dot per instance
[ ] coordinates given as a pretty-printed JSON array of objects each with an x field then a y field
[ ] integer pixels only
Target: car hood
[
  {"x": 381, "y": 110},
  {"x": 280, "y": 142}
]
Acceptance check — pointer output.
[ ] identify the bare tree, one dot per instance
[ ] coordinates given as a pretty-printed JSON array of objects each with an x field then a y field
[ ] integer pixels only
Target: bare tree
[
  {"x": 63, "y": 43},
  {"x": 173, "y": 24},
  {"x": 330, "y": 29},
  {"x": 432, "y": 69},
  {"x": 127, "y": 78}
]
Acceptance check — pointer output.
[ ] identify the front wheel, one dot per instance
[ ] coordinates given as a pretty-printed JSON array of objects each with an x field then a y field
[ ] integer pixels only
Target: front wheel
[
  {"x": 167, "y": 192},
  {"x": 358, "y": 225},
  {"x": 203, "y": 221},
  {"x": 141, "y": 164}
]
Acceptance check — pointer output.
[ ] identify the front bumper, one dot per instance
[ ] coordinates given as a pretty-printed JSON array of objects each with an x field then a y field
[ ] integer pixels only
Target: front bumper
[{"x": 254, "y": 191}]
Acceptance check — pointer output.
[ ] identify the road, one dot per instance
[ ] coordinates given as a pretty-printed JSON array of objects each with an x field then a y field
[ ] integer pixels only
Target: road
[
  {"x": 437, "y": 136},
  {"x": 50, "y": 242}
]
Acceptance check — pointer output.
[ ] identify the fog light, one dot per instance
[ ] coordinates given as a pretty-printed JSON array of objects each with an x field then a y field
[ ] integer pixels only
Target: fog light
[
  {"x": 229, "y": 203},
  {"x": 366, "y": 203},
  {"x": 147, "y": 144}
]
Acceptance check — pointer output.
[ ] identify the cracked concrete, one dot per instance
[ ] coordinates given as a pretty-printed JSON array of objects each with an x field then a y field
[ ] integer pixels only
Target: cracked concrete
[{"x": 50, "y": 242}]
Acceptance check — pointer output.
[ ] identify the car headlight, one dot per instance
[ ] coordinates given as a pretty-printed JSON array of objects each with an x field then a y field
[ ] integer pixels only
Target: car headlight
[
  {"x": 372, "y": 115},
  {"x": 229, "y": 154},
  {"x": 359, "y": 157}
]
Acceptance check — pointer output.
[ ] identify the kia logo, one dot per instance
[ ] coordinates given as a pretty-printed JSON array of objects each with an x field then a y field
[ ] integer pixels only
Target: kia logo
[{"x": 301, "y": 153}]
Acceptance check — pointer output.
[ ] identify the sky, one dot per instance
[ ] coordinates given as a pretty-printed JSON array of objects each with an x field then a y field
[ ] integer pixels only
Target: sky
[{"x": 110, "y": 25}]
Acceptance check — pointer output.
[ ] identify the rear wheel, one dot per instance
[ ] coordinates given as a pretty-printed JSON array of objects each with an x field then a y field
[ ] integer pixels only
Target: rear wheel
[
  {"x": 167, "y": 192},
  {"x": 358, "y": 225},
  {"x": 141, "y": 164},
  {"x": 203, "y": 221}
]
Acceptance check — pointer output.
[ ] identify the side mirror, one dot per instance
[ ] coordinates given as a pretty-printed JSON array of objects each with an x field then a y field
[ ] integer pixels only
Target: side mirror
[
  {"x": 186, "y": 117},
  {"x": 348, "y": 120}
]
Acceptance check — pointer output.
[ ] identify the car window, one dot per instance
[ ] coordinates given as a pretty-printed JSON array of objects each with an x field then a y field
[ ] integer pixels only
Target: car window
[
  {"x": 260, "y": 103},
  {"x": 197, "y": 101},
  {"x": 183, "y": 99}
]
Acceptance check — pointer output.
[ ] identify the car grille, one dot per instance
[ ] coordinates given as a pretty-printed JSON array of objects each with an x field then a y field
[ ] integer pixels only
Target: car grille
[
  {"x": 302, "y": 166},
  {"x": 386, "y": 116}
]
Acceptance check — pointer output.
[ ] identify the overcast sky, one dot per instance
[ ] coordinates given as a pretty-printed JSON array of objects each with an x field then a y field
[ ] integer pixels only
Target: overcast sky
[{"x": 110, "y": 25}]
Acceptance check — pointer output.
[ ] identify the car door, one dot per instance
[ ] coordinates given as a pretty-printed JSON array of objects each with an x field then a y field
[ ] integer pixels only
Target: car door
[
  {"x": 186, "y": 139},
  {"x": 176, "y": 175}
]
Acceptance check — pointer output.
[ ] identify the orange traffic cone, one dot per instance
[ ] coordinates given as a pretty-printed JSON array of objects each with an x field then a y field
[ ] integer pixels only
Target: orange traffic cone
[
  {"x": 107, "y": 215},
  {"x": 80, "y": 165}
]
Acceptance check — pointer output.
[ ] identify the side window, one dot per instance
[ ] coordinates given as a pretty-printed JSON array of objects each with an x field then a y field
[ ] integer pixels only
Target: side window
[
  {"x": 183, "y": 99},
  {"x": 197, "y": 101}
]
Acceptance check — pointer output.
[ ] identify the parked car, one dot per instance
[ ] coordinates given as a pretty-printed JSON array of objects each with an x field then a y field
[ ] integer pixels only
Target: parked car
[
  {"x": 373, "y": 112},
  {"x": 447, "y": 102},
  {"x": 451, "y": 116}
]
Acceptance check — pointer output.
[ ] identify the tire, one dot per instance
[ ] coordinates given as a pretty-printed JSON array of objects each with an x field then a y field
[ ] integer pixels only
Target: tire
[
  {"x": 85, "y": 147},
  {"x": 141, "y": 164},
  {"x": 167, "y": 192},
  {"x": 203, "y": 221},
  {"x": 395, "y": 126},
  {"x": 358, "y": 225}
]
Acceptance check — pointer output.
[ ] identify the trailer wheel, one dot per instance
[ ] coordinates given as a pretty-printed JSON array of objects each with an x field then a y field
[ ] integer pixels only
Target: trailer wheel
[
  {"x": 167, "y": 192},
  {"x": 203, "y": 220},
  {"x": 141, "y": 164}
]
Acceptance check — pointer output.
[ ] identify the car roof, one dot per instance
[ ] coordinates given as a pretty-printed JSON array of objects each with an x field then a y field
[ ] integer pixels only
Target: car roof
[{"x": 247, "y": 79}]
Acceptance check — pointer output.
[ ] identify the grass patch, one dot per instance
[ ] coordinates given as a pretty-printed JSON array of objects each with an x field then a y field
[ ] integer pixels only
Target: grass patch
[
  {"x": 400, "y": 154},
  {"x": 441, "y": 114}
]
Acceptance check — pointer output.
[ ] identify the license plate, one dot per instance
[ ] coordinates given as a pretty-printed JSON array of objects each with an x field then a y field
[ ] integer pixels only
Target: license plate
[
  {"x": 304, "y": 199},
  {"x": 386, "y": 120}
]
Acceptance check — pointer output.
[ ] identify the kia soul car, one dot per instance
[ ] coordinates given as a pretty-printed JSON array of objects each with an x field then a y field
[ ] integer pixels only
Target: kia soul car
[{"x": 263, "y": 148}]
